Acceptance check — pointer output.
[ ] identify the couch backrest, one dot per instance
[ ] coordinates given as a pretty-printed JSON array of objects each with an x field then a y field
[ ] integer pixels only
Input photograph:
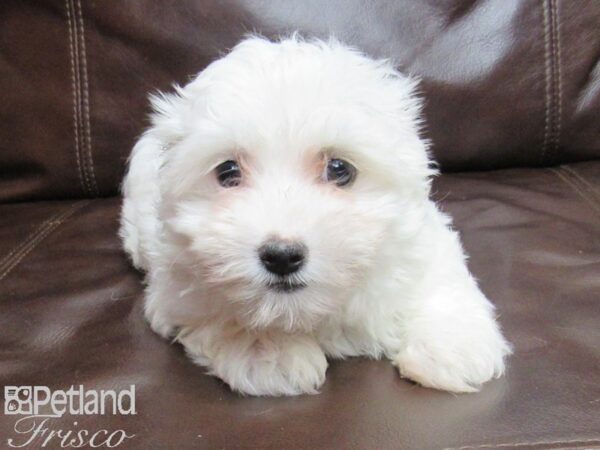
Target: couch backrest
[{"x": 507, "y": 82}]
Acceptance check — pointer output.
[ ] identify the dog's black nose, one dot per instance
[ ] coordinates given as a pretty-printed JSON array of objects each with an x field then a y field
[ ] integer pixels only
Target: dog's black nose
[{"x": 282, "y": 257}]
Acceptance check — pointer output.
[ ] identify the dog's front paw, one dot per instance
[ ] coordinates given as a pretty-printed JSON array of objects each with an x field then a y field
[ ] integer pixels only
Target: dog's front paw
[
  {"x": 270, "y": 364},
  {"x": 453, "y": 366},
  {"x": 289, "y": 365},
  {"x": 159, "y": 323}
]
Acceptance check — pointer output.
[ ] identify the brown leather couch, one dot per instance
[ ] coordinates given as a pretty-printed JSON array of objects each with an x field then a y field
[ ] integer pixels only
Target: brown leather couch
[{"x": 513, "y": 110}]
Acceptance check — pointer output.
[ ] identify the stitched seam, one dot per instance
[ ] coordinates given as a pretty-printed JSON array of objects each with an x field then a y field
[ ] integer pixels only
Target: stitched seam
[
  {"x": 42, "y": 233},
  {"x": 593, "y": 190},
  {"x": 582, "y": 186},
  {"x": 75, "y": 97},
  {"x": 574, "y": 185},
  {"x": 81, "y": 137},
  {"x": 86, "y": 103},
  {"x": 557, "y": 78},
  {"x": 80, "y": 125},
  {"x": 18, "y": 248},
  {"x": 527, "y": 444},
  {"x": 33, "y": 240},
  {"x": 26, "y": 248},
  {"x": 547, "y": 80}
]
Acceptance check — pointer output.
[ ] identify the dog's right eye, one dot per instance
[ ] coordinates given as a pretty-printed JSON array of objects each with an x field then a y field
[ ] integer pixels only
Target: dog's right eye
[{"x": 229, "y": 174}]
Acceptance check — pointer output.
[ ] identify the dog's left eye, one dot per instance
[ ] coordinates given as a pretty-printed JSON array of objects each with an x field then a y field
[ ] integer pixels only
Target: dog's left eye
[
  {"x": 229, "y": 174},
  {"x": 339, "y": 172}
]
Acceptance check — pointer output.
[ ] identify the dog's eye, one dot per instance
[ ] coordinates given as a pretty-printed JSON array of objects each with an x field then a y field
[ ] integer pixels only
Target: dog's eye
[
  {"x": 229, "y": 174},
  {"x": 340, "y": 172}
]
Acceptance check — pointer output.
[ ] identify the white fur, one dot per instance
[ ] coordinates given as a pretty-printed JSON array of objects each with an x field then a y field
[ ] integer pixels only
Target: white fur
[{"x": 386, "y": 274}]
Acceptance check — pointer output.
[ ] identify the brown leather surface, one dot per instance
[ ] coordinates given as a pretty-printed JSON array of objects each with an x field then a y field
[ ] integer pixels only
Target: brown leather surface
[
  {"x": 70, "y": 313},
  {"x": 508, "y": 82}
]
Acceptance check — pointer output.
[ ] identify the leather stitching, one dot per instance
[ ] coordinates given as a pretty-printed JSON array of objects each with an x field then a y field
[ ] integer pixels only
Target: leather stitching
[
  {"x": 593, "y": 189},
  {"x": 9, "y": 261},
  {"x": 553, "y": 82},
  {"x": 80, "y": 125},
  {"x": 573, "y": 183},
  {"x": 530, "y": 444},
  {"x": 557, "y": 78},
  {"x": 81, "y": 103},
  {"x": 33, "y": 240},
  {"x": 75, "y": 91},
  {"x": 547, "y": 79},
  {"x": 86, "y": 103},
  {"x": 4, "y": 261}
]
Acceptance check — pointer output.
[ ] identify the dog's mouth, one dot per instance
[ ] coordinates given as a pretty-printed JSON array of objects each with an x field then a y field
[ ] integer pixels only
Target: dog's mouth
[{"x": 285, "y": 286}]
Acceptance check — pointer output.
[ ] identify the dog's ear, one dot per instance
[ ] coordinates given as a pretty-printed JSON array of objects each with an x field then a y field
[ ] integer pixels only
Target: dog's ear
[
  {"x": 401, "y": 106},
  {"x": 167, "y": 112},
  {"x": 408, "y": 103},
  {"x": 166, "y": 129}
]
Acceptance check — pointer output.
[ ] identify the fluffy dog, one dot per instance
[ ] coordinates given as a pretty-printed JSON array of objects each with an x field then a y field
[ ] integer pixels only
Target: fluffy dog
[{"x": 279, "y": 205}]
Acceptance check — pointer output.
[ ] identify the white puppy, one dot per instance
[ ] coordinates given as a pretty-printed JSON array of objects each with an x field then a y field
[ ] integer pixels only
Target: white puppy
[{"x": 279, "y": 205}]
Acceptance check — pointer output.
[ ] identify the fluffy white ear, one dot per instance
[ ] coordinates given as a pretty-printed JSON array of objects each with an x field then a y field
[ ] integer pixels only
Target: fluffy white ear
[
  {"x": 140, "y": 198},
  {"x": 168, "y": 113},
  {"x": 141, "y": 185},
  {"x": 406, "y": 104}
]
